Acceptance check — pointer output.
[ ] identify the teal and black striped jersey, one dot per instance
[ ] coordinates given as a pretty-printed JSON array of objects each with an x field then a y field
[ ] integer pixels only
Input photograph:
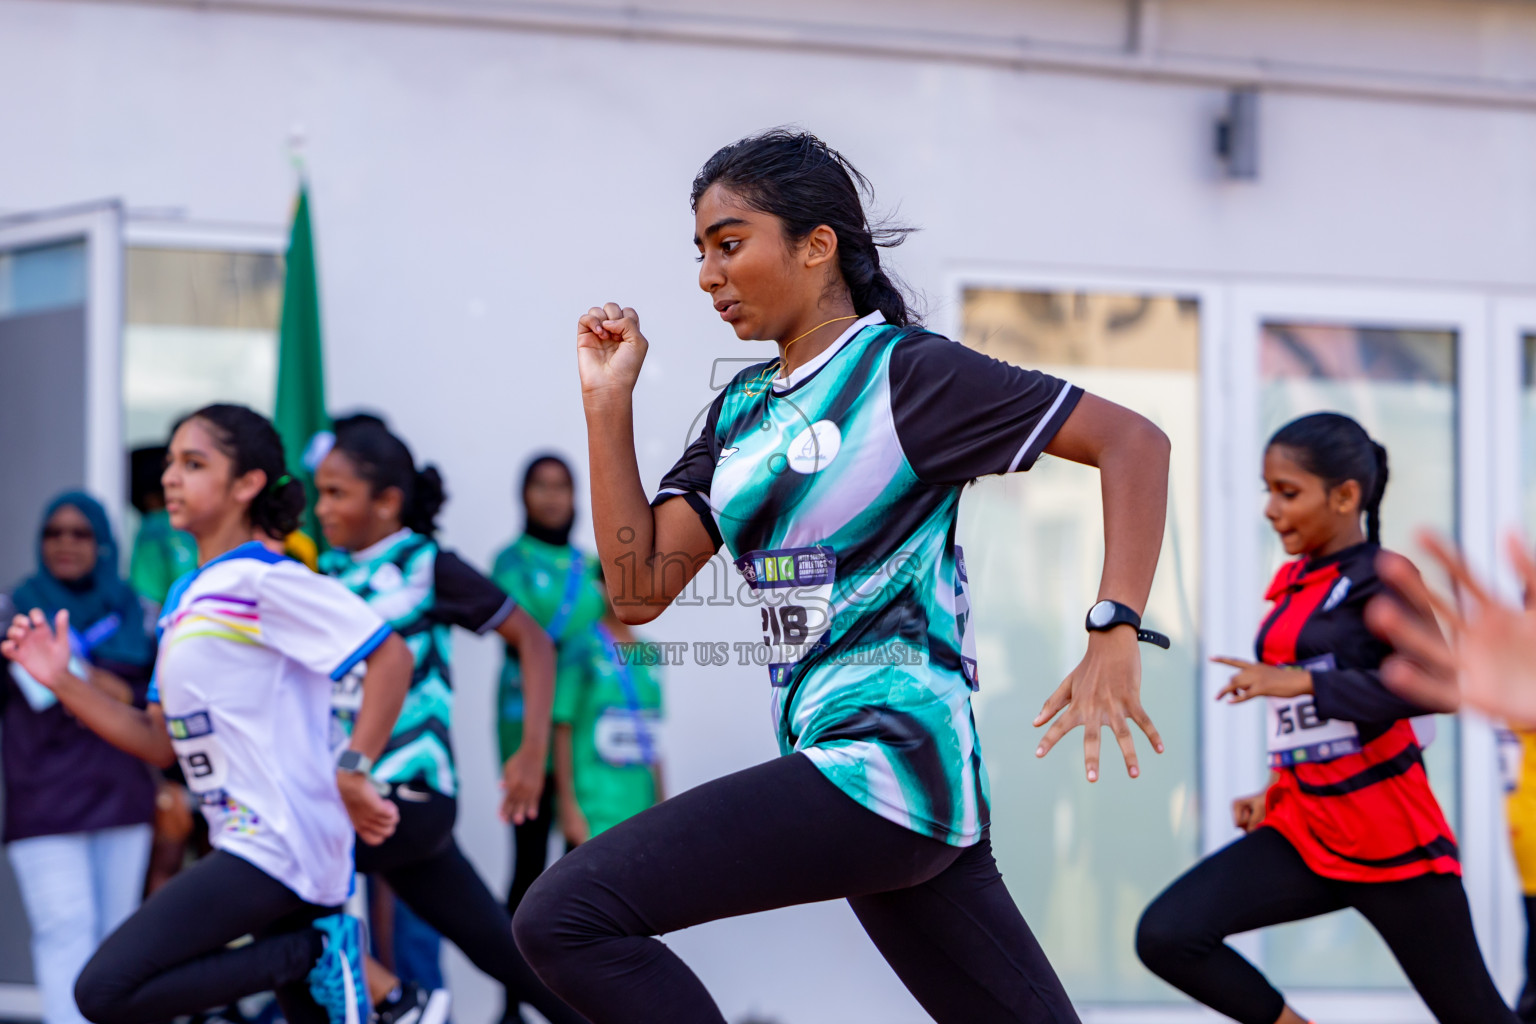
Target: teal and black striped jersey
[
  {"x": 837, "y": 492},
  {"x": 422, "y": 591}
]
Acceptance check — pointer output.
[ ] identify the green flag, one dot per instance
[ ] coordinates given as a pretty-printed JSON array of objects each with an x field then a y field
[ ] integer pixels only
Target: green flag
[{"x": 300, "y": 412}]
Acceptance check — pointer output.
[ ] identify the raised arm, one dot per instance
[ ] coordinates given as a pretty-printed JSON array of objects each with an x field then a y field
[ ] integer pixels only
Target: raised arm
[
  {"x": 44, "y": 653},
  {"x": 1131, "y": 454},
  {"x": 649, "y": 555}
]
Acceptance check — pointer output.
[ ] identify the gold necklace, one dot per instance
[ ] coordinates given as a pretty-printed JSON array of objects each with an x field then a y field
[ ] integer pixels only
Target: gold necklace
[{"x": 772, "y": 369}]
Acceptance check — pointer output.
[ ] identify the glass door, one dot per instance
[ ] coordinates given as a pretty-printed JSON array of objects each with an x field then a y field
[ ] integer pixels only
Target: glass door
[
  {"x": 60, "y": 325},
  {"x": 1035, "y": 546}
]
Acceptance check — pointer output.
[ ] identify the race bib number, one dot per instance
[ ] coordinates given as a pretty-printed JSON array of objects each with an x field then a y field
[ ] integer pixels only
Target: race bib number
[
  {"x": 202, "y": 759},
  {"x": 1511, "y": 759},
  {"x": 347, "y": 692},
  {"x": 1296, "y": 735},
  {"x": 624, "y": 737},
  {"x": 963, "y": 622},
  {"x": 794, "y": 592}
]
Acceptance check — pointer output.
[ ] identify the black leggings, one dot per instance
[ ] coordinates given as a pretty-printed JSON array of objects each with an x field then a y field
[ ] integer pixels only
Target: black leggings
[
  {"x": 424, "y": 865},
  {"x": 773, "y": 836},
  {"x": 1261, "y": 880},
  {"x": 530, "y": 847},
  {"x": 170, "y": 959}
]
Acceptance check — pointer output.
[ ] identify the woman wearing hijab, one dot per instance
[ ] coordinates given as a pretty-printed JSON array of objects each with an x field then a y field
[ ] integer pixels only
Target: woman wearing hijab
[
  {"x": 77, "y": 810},
  {"x": 557, "y": 584}
]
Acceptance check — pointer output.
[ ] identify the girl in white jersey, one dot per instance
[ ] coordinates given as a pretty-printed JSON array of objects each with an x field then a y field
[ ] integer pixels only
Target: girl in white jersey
[{"x": 249, "y": 646}]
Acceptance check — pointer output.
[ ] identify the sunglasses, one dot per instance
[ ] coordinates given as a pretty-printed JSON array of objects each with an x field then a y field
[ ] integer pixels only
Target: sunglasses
[{"x": 67, "y": 533}]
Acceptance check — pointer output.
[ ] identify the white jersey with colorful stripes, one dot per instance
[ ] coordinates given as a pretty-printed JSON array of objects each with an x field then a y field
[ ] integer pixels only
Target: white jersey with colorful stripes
[{"x": 249, "y": 646}]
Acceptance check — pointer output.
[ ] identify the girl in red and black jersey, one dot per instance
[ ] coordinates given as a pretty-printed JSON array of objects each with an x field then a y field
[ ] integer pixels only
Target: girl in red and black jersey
[{"x": 1348, "y": 819}]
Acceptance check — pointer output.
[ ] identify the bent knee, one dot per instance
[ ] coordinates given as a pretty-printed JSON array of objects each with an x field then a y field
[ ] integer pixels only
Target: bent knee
[
  {"x": 99, "y": 996},
  {"x": 1163, "y": 936},
  {"x": 539, "y": 923}
]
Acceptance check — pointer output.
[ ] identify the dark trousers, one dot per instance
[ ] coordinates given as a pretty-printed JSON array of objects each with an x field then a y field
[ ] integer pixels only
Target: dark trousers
[
  {"x": 170, "y": 957},
  {"x": 425, "y": 867},
  {"x": 773, "y": 836},
  {"x": 530, "y": 847},
  {"x": 1260, "y": 880}
]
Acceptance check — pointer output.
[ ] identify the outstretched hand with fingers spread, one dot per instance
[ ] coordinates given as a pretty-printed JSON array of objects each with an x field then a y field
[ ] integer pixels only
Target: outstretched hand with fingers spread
[
  {"x": 1103, "y": 691},
  {"x": 1492, "y": 645},
  {"x": 43, "y": 652}
]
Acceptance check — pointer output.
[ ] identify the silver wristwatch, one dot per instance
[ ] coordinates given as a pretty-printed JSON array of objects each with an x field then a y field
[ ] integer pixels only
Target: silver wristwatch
[{"x": 354, "y": 761}]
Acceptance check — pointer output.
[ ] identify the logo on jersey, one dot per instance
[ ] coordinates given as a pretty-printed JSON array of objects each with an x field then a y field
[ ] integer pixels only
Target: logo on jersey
[
  {"x": 386, "y": 578},
  {"x": 815, "y": 447},
  {"x": 1338, "y": 594},
  {"x": 725, "y": 454}
]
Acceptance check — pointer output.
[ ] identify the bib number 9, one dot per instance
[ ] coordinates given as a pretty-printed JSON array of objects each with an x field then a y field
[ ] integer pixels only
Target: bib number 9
[{"x": 201, "y": 757}]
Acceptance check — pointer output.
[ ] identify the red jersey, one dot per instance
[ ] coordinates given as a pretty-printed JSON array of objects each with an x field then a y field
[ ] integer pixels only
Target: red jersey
[{"x": 1367, "y": 815}]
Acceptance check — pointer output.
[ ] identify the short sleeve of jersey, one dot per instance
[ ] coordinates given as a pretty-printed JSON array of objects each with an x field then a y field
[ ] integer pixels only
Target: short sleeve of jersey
[
  {"x": 960, "y": 414},
  {"x": 693, "y": 474},
  {"x": 463, "y": 597},
  {"x": 315, "y": 620}
]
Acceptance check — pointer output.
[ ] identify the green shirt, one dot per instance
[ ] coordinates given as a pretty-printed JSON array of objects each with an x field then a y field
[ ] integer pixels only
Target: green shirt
[
  {"x": 162, "y": 554},
  {"x": 537, "y": 576},
  {"x": 612, "y": 702}
]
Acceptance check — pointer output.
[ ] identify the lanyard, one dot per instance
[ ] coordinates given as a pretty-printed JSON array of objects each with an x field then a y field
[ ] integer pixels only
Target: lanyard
[
  {"x": 631, "y": 696},
  {"x": 102, "y": 630},
  {"x": 568, "y": 601}
]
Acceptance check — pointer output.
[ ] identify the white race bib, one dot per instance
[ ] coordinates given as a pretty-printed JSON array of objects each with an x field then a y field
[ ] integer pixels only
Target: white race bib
[
  {"x": 1295, "y": 734},
  {"x": 794, "y": 591},
  {"x": 625, "y": 738},
  {"x": 1511, "y": 759},
  {"x": 347, "y": 692},
  {"x": 202, "y": 758},
  {"x": 963, "y": 622}
]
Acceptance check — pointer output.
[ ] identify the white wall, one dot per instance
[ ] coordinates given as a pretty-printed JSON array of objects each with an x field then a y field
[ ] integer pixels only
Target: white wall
[{"x": 476, "y": 188}]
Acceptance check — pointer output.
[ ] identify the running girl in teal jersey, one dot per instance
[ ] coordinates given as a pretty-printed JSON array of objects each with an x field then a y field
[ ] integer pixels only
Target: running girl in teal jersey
[
  {"x": 832, "y": 474},
  {"x": 250, "y": 645},
  {"x": 379, "y": 516}
]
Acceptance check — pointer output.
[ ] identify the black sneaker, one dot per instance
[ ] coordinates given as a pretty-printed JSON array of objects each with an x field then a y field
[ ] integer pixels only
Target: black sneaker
[{"x": 415, "y": 1005}]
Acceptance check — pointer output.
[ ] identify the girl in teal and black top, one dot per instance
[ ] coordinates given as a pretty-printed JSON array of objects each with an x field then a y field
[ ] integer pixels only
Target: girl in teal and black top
[
  {"x": 832, "y": 475},
  {"x": 378, "y": 515}
]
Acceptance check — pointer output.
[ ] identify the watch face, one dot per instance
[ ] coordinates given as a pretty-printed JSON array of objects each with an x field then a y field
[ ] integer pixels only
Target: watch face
[{"x": 1102, "y": 613}]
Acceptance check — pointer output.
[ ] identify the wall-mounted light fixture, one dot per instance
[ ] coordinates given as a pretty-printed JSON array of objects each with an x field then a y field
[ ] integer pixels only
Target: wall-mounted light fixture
[{"x": 1237, "y": 134}]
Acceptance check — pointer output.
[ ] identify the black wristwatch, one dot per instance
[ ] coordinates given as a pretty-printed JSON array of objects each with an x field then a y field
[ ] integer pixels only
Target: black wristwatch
[{"x": 1106, "y": 615}]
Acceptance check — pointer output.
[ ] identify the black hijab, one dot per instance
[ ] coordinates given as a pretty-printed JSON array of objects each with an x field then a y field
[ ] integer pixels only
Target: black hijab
[{"x": 559, "y": 536}]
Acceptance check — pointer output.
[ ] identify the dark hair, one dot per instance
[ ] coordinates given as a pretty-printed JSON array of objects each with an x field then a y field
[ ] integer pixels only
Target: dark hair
[
  {"x": 1333, "y": 446},
  {"x": 145, "y": 466},
  {"x": 251, "y": 442},
  {"x": 806, "y": 183},
  {"x": 383, "y": 460}
]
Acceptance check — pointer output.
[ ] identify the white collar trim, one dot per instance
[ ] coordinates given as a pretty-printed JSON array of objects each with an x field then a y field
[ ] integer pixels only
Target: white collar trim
[
  {"x": 378, "y": 548},
  {"x": 801, "y": 373}
]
